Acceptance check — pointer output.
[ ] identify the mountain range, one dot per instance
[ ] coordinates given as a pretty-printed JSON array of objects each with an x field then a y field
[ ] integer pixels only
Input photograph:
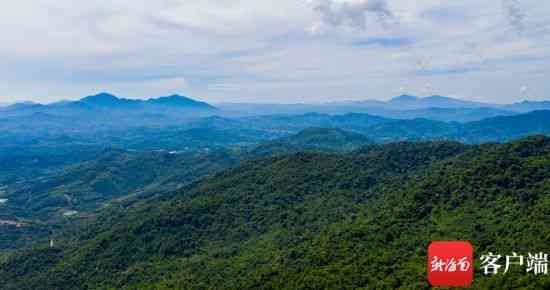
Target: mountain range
[
  {"x": 160, "y": 194},
  {"x": 438, "y": 108},
  {"x": 109, "y": 101},
  {"x": 64, "y": 175},
  {"x": 311, "y": 220},
  {"x": 178, "y": 131},
  {"x": 101, "y": 112}
]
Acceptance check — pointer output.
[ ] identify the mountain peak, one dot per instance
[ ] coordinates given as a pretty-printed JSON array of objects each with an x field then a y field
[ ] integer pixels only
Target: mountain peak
[
  {"x": 106, "y": 95},
  {"x": 176, "y": 96},
  {"x": 179, "y": 100},
  {"x": 101, "y": 99},
  {"x": 404, "y": 98},
  {"x": 437, "y": 98},
  {"x": 25, "y": 105}
]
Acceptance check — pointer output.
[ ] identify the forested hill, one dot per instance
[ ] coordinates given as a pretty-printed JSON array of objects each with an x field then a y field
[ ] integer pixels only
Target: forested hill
[
  {"x": 114, "y": 174},
  {"x": 48, "y": 197},
  {"x": 312, "y": 139},
  {"x": 314, "y": 221}
]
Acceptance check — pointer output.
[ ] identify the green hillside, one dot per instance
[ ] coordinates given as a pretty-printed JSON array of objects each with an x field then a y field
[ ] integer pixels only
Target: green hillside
[
  {"x": 313, "y": 221},
  {"x": 114, "y": 177},
  {"x": 312, "y": 139},
  {"x": 114, "y": 174}
]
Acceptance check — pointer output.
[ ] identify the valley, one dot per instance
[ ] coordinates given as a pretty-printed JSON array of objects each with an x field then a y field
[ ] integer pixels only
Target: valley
[{"x": 289, "y": 200}]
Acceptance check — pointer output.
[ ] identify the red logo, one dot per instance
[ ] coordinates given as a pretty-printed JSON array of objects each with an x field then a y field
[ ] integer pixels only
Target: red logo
[{"x": 451, "y": 264}]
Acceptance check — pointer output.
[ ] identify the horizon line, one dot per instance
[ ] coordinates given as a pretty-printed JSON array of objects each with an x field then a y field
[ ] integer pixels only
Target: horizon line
[{"x": 145, "y": 98}]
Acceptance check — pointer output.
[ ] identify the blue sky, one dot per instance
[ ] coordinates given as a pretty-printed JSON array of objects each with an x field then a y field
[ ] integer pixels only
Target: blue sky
[{"x": 283, "y": 51}]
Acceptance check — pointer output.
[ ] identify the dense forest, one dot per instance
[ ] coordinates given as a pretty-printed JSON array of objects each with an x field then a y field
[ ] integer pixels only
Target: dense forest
[
  {"x": 46, "y": 189},
  {"x": 361, "y": 219}
]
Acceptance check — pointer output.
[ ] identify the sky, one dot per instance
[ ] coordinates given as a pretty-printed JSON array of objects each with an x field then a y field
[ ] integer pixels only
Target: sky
[{"x": 283, "y": 51}]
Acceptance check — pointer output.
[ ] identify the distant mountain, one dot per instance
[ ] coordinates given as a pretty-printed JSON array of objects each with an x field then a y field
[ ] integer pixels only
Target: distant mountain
[
  {"x": 294, "y": 123},
  {"x": 329, "y": 137},
  {"x": 401, "y": 107},
  {"x": 172, "y": 130},
  {"x": 496, "y": 129},
  {"x": 23, "y": 106},
  {"x": 313, "y": 139},
  {"x": 415, "y": 129},
  {"x": 404, "y": 99},
  {"x": 407, "y": 102},
  {"x": 462, "y": 115},
  {"x": 528, "y": 106},
  {"x": 249, "y": 130},
  {"x": 102, "y": 112},
  {"x": 506, "y": 128},
  {"x": 382, "y": 130},
  {"x": 105, "y": 99},
  {"x": 173, "y": 101},
  {"x": 439, "y": 108},
  {"x": 180, "y": 101}
]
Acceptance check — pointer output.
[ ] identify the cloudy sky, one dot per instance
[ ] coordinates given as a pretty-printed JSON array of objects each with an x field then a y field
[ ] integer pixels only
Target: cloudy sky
[{"x": 283, "y": 51}]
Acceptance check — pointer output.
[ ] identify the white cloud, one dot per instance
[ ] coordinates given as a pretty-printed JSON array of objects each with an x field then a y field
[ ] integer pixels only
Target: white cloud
[
  {"x": 514, "y": 14},
  {"x": 356, "y": 14},
  {"x": 242, "y": 50}
]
